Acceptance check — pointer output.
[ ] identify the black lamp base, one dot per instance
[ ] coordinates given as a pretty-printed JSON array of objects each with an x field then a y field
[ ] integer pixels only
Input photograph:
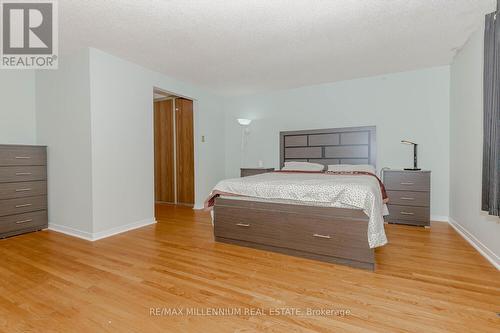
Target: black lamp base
[{"x": 412, "y": 169}]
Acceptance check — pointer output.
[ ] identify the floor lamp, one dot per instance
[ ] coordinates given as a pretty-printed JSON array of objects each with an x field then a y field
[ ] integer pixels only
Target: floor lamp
[{"x": 244, "y": 123}]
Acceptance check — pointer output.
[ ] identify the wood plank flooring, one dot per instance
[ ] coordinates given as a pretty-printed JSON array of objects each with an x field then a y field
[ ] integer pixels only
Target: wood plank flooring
[{"x": 426, "y": 281}]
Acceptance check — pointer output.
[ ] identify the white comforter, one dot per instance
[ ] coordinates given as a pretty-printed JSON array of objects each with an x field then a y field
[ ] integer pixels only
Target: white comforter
[{"x": 343, "y": 191}]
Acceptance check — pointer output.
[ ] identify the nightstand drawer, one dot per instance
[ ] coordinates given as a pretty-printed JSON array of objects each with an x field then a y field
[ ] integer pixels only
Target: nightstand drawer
[
  {"x": 245, "y": 172},
  {"x": 407, "y": 181},
  {"x": 408, "y": 213},
  {"x": 409, "y": 198}
]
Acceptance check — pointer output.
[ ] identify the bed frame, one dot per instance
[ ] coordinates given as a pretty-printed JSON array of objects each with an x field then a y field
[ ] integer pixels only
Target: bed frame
[{"x": 335, "y": 235}]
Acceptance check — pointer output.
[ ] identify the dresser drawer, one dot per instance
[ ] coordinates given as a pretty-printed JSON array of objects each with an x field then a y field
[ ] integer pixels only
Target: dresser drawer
[
  {"x": 22, "y": 173},
  {"x": 408, "y": 213},
  {"x": 22, "y": 205},
  {"x": 22, "y": 155},
  {"x": 12, "y": 223},
  {"x": 22, "y": 189},
  {"x": 407, "y": 181},
  {"x": 409, "y": 198}
]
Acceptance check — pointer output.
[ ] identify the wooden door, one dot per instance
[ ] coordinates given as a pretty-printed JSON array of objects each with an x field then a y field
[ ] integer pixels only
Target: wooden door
[
  {"x": 184, "y": 151},
  {"x": 164, "y": 151}
]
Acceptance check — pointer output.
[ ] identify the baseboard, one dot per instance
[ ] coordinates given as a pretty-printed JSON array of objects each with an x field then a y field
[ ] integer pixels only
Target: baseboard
[
  {"x": 476, "y": 243},
  {"x": 71, "y": 231},
  {"x": 198, "y": 206},
  {"x": 123, "y": 228},
  {"x": 101, "y": 234},
  {"x": 440, "y": 218}
]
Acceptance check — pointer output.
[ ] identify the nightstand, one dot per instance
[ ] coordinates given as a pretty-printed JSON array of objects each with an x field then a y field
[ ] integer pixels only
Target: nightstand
[
  {"x": 245, "y": 172},
  {"x": 409, "y": 195}
]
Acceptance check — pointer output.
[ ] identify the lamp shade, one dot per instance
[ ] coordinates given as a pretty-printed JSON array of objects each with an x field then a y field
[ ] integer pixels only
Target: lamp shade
[{"x": 244, "y": 122}]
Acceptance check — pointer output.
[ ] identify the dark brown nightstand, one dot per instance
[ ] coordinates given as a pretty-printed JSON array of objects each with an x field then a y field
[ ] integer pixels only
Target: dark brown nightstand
[
  {"x": 245, "y": 172},
  {"x": 409, "y": 196}
]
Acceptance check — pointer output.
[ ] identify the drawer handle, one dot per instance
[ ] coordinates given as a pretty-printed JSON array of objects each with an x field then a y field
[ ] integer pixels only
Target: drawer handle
[
  {"x": 23, "y": 205},
  {"x": 407, "y": 183},
  {"x": 23, "y": 189},
  {"x": 407, "y": 198},
  {"x": 24, "y": 221},
  {"x": 23, "y": 173},
  {"x": 23, "y": 157},
  {"x": 406, "y": 213},
  {"x": 243, "y": 225},
  {"x": 322, "y": 236}
]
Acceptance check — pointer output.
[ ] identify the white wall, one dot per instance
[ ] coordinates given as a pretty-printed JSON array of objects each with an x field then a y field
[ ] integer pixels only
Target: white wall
[
  {"x": 409, "y": 105},
  {"x": 63, "y": 124},
  {"x": 466, "y": 132},
  {"x": 122, "y": 140},
  {"x": 95, "y": 115},
  {"x": 17, "y": 108}
]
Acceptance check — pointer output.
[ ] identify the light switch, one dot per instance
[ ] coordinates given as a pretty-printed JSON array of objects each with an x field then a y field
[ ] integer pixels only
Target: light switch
[{"x": 202, "y": 138}]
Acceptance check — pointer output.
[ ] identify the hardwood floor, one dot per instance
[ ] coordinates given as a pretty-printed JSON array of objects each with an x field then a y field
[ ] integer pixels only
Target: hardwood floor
[{"x": 426, "y": 281}]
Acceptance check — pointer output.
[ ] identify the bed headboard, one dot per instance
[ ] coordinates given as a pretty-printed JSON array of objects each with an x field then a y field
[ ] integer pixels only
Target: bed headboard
[{"x": 349, "y": 145}]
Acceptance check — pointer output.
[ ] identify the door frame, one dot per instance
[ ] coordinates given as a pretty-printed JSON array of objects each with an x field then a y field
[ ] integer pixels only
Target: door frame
[{"x": 195, "y": 136}]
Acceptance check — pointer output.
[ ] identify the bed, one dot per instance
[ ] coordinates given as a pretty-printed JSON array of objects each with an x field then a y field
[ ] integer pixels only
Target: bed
[{"x": 322, "y": 216}]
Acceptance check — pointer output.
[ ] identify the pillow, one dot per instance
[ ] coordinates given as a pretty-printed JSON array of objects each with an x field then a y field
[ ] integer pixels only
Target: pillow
[
  {"x": 303, "y": 166},
  {"x": 352, "y": 167}
]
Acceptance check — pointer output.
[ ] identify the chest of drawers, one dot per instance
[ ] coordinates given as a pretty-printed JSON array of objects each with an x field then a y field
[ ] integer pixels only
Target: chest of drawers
[
  {"x": 409, "y": 195},
  {"x": 23, "y": 189}
]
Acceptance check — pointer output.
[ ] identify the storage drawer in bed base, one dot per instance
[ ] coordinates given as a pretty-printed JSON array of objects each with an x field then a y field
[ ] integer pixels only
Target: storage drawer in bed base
[
  {"x": 296, "y": 253},
  {"x": 333, "y": 235}
]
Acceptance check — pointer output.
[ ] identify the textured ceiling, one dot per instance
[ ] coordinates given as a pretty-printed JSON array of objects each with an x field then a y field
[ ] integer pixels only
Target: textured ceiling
[{"x": 247, "y": 46}]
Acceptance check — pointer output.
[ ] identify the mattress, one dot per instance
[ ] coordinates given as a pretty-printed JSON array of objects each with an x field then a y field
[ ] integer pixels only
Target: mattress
[{"x": 317, "y": 189}]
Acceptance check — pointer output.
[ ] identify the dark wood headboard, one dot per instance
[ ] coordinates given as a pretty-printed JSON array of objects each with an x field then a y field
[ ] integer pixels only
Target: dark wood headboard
[{"x": 349, "y": 145}]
